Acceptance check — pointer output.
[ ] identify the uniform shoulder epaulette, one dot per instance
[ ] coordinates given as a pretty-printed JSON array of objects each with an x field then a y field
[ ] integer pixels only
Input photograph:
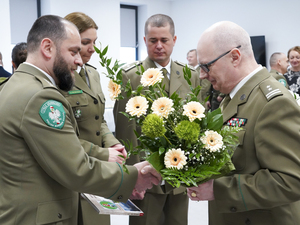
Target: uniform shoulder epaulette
[
  {"x": 129, "y": 66},
  {"x": 183, "y": 65},
  {"x": 91, "y": 66},
  {"x": 270, "y": 90}
]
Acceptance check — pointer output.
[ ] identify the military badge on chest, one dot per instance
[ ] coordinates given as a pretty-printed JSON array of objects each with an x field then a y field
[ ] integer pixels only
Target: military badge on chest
[
  {"x": 77, "y": 113},
  {"x": 236, "y": 122}
]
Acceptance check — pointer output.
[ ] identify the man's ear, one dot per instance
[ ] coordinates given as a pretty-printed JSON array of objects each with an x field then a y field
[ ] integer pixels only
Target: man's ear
[
  {"x": 14, "y": 65},
  {"x": 47, "y": 48},
  {"x": 236, "y": 56}
]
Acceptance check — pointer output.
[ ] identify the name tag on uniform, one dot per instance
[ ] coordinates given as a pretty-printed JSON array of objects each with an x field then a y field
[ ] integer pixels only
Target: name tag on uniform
[
  {"x": 75, "y": 92},
  {"x": 236, "y": 122}
]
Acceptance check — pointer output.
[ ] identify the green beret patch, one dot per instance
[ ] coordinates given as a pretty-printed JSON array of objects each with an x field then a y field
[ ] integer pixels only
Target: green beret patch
[{"x": 53, "y": 114}]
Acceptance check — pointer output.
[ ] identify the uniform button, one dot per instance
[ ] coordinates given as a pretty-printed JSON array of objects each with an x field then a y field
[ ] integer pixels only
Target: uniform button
[
  {"x": 95, "y": 101},
  {"x": 97, "y": 117},
  {"x": 98, "y": 133},
  {"x": 120, "y": 197},
  {"x": 59, "y": 215},
  {"x": 243, "y": 97},
  {"x": 232, "y": 209},
  {"x": 247, "y": 222},
  {"x": 77, "y": 103}
]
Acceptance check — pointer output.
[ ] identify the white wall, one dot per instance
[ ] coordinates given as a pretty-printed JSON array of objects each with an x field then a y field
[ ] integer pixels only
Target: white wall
[{"x": 5, "y": 39}]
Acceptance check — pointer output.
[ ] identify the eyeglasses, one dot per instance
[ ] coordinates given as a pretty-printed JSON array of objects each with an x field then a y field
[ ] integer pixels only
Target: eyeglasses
[{"x": 206, "y": 66}]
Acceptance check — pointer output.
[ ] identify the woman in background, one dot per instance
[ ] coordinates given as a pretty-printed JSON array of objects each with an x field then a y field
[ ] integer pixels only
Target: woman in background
[
  {"x": 88, "y": 103},
  {"x": 293, "y": 73}
]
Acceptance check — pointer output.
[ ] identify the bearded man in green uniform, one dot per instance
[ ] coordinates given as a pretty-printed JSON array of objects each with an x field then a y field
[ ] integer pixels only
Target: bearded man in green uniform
[
  {"x": 264, "y": 188},
  {"x": 42, "y": 163},
  {"x": 162, "y": 204}
]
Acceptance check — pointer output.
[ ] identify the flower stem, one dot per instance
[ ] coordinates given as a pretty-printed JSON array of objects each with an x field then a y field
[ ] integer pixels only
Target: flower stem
[{"x": 167, "y": 140}]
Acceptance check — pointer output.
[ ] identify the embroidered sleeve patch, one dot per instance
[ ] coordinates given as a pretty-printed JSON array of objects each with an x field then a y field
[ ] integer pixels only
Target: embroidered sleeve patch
[
  {"x": 236, "y": 122},
  {"x": 282, "y": 81},
  {"x": 53, "y": 114}
]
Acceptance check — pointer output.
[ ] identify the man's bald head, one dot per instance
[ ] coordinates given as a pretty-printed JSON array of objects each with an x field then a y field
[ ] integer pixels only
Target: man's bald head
[
  {"x": 225, "y": 55},
  {"x": 226, "y": 35}
]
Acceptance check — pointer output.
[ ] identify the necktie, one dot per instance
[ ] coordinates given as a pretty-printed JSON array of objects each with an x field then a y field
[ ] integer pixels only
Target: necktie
[
  {"x": 225, "y": 102},
  {"x": 166, "y": 80},
  {"x": 82, "y": 74}
]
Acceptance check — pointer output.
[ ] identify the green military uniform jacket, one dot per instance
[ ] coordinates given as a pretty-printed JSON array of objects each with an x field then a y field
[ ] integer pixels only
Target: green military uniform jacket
[
  {"x": 42, "y": 164},
  {"x": 88, "y": 105},
  {"x": 278, "y": 76},
  {"x": 125, "y": 129},
  {"x": 205, "y": 86},
  {"x": 264, "y": 188}
]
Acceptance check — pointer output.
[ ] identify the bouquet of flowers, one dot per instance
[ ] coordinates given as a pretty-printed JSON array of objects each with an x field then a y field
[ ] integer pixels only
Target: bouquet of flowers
[{"x": 185, "y": 144}]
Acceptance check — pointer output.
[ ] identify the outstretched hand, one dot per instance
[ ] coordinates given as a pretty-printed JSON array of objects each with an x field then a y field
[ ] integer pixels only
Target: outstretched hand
[
  {"x": 137, "y": 195},
  {"x": 147, "y": 176}
]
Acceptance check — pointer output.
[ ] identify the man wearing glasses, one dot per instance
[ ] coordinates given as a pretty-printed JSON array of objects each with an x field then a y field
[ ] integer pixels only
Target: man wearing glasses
[{"x": 264, "y": 187}]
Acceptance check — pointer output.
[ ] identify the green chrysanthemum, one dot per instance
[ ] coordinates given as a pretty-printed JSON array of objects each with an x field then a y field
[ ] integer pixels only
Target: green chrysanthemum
[
  {"x": 188, "y": 131},
  {"x": 153, "y": 126}
]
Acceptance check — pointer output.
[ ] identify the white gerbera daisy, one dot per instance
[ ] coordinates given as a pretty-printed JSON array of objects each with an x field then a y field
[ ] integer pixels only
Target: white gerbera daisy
[
  {"x": 212, "y": 140},
  {"x": 175, "y": 158},
  {"x": 194, "y": 110},
  {"x": 162, "y": 107},
  {"x": 151, "y": 76},
  {"x": 137, "y": 106},
  {"x": 113, "y": 89}
]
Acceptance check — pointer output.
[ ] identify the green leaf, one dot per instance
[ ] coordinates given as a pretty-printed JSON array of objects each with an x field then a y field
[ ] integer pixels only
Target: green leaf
[
  {"x": 96, "y": 49},
  {"x": 161, "y": 150},
  {"x": 215, "y": 120},
  {"x": 156, "y": 161},
  {"x": 105, "y": 50}
]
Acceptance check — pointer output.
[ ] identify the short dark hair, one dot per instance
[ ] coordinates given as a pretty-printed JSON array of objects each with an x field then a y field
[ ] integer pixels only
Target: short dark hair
[
  {"x": 19, "y": 53},
  {"x": 48, "y": 26},
  {"x": 160, "y": 20},
  {"x": 192, "y": 50}
]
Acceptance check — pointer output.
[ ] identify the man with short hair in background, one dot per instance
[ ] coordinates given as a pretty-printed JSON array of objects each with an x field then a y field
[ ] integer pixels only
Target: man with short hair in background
[
  {"x": 162, "y": 205},
  {"x": 279, "y": 64}
]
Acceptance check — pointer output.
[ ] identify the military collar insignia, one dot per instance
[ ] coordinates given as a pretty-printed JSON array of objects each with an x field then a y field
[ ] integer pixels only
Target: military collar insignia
[
  {"x": 77, "y": 113},
  {"x": 236, "y": 122},
  {"x": 53, "y": 114}
]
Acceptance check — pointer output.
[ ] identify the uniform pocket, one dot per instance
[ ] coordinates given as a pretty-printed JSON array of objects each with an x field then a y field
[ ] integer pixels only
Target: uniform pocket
[{"x": 54, "y": 212}]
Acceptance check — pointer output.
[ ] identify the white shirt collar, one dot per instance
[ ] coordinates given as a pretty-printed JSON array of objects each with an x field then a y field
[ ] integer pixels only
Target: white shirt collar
[
  {"x": 79, "y": 68},
  {"x": 243, "y": 81},
  {"x": 50, "y": 78},
  {"x": 168, "y": 67}
]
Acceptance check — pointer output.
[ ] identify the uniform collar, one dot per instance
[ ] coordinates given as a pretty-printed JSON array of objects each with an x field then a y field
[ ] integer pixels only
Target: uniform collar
[
  {"x": 168, "y": 67},
  {"x": 47, "y": 75},
  {"x": 243, "y": 81}
]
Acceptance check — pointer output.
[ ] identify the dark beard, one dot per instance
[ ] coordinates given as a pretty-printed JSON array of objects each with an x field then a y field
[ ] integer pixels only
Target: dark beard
[{"x": 62, "y": 73}]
